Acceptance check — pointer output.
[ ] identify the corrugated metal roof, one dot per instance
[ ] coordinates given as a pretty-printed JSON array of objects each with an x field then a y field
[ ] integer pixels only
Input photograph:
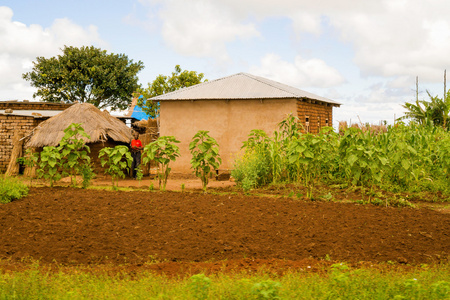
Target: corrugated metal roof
[
  {"x": 241, "y": 86},
  {"x": 32, "y": 113}
]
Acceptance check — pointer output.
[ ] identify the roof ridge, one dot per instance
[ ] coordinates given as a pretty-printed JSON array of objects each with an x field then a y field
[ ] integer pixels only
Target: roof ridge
[
  {"x": 268, "y": 88},
  {"x": 196, "y": 85},
  {"x": 262, "y": 80}
]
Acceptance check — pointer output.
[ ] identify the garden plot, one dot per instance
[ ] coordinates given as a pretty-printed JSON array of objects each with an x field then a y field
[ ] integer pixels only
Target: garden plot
[{"x": 78, "y": 226}]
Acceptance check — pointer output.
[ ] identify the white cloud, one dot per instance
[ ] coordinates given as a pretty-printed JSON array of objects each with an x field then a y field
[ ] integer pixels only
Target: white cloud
[
  {"x": 202, "y": 28},
  {"x": 388, "y": 37},
  {"x": 22, "y": 43},
  {"x": 301, "y": 73}
]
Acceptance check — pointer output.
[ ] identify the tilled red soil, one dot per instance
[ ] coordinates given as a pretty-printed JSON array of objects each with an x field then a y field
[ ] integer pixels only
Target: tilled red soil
[{"x": 76, "y": 226}]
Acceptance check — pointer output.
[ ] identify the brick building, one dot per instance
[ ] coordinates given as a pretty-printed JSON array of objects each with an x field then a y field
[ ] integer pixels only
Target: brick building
[{"x": 20, "y": 117}]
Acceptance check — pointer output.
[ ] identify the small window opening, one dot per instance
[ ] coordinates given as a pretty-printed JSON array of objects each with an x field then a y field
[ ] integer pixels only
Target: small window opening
[{"x": 307, "y": 124}]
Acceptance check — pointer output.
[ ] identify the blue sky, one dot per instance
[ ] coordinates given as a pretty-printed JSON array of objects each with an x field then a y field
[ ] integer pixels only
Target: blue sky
[{"x": 363, "y": 54}]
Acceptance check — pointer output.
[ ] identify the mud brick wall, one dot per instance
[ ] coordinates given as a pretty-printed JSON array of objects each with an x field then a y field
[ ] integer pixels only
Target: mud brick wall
[
  {"x": 314, "y": 115},
  {"x": 9, "y": 125},
  {"x": 16, "y": 105}
]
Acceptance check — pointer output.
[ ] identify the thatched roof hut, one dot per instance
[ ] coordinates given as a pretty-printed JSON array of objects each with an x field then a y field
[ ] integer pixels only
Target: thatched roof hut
[{"x": 100, "y": 126}]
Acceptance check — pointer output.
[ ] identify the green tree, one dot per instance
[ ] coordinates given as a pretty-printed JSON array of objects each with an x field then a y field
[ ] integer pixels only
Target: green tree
[
  {"x": 433, "y": 112},
  {"x": 85, "y": 74},
  {"x": 166, "y": 84}
]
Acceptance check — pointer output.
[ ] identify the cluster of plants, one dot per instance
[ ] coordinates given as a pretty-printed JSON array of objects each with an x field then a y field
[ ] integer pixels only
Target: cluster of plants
[
  {"x": 70, "y": 158},
  {"x": 204, "y": 150},
  {"x": 408, "y": 157}
]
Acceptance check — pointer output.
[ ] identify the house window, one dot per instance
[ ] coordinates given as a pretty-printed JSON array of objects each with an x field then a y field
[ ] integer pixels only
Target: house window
[
  {"x": 326, "y": 122},
  {"x": 306, "y": 124}
]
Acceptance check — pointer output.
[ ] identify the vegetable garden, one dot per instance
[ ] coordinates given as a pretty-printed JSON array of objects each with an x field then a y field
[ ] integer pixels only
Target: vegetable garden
[{"x": 332, "y": 207}]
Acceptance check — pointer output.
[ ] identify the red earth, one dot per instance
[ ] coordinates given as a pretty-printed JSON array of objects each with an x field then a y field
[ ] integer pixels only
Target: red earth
[{"x": 185, "y": 232}]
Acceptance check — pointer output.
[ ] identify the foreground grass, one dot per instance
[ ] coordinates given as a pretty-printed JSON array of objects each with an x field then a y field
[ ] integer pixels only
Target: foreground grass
[{"x": 339, "y": 281}]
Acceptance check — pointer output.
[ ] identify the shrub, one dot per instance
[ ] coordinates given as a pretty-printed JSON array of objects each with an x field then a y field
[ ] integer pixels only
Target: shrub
[
  {"x": 252, "y": 170},
  {"x": 11, "y": 189}
]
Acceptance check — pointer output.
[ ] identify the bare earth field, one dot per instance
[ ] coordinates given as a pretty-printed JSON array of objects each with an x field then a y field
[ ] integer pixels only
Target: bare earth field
[{"x": 172, "y": 232}]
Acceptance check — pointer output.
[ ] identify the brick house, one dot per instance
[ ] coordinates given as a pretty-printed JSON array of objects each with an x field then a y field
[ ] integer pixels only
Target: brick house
[
  {"x": 20, "y": 117},
  {"x": 231, "y": 107}
]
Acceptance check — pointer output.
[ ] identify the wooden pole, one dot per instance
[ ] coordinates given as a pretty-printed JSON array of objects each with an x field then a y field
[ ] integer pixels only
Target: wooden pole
[
  {"x": 445, "y": 84},
  {"x": 417, "y": 89}
]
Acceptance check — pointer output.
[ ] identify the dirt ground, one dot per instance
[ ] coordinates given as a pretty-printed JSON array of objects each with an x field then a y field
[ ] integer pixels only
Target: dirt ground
[
  {"x": 172, "y": 232},
  {"x": 174, "y": 183}
]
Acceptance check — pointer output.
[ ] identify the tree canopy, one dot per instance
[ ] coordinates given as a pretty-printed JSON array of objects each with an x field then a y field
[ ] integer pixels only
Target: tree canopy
[
  {"x": 166, "y": 84},
  {"x": 86, "y": 74}
]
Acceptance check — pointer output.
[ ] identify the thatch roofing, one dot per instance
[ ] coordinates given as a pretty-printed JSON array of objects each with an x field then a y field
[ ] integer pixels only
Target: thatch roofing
[
  {"x": 97, "y": 124},
  {"x": 241, "y": 86}
]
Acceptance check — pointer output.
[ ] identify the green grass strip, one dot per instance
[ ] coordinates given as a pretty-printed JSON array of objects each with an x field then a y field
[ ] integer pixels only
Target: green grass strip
[{"x": 339, "y": 282}]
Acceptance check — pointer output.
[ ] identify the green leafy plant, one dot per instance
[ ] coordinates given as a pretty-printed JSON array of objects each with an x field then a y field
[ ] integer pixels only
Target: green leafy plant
[
  {"x": 305, "y": 154},
  {"x": 267, "y": 289},
  {"x": 49, "y": 163},
  {"x": 205, "y": 156},
  {"x": 88, "y": 174},
  {"x": 74, "y": 151},
  {"x": 117, "y": 160},
  {"x": 163, "y": 150},
  {"x": 11, "y": 189},
  {"x": 199, "y": 286},
  {"x": 253, "y": 168},
  {"x": 362, "y": 160}
]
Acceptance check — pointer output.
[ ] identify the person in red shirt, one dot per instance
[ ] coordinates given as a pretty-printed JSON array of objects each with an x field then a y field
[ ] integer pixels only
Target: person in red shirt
[{"x": 136, "y": 148}]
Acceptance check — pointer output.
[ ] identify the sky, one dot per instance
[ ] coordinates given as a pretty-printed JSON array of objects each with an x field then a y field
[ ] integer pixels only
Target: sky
[{"x": 365, "y": 55}]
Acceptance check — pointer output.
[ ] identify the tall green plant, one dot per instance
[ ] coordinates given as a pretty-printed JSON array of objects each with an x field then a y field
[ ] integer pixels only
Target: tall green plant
[
  {"x": 162, "y": 151},
  {"x": 74, "y": 152},
  {"x": 361, "y": 160},
  {"x": 117, "y": 160},
  {"x": 253, "y": 168},
  {"x": 49, "y": 163},
  {"x": 309, "y": 154},
  {"x": 205, "y": 156}
]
